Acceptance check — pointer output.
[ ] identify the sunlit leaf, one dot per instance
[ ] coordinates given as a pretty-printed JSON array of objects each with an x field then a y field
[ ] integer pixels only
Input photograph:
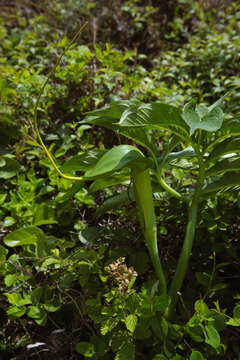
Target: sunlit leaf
[
  {"x": 212, "y": 336},
  {"x": 25, "y": 236},
  {"x": 131, "y": 322},
  {"x": 196, "y": 355},
  {"x": 82, "y": 162},
  {"x": 211, "y": 121},
  {"x": 85, "y": 348},
  {"x": 116, "y": 159},
  {"x": 156, "y": 116}
]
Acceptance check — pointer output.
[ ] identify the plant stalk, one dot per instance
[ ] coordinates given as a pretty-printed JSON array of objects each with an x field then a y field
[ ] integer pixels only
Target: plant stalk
[
  {"x": 144, "y": 201},
  {"x": 35, "y": 117},
  {"x": 183, "y": 261},
  {"x": 168, "y": 188}
]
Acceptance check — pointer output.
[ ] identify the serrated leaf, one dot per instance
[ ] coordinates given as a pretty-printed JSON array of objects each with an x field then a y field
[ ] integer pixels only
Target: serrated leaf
[
  {"x": 233, "y": 322},
  {"x": 212, "y": 336},
  {"x": 117, "y": 339},
  {"x": 16, "y": 311},
  {"x": 116, "y": 159},
  {"x": 25, "y": 236},
  {"x": 126, "y": 352},
  {"x": 108, "y": 325},
  {"x": 131, "y": 322}
]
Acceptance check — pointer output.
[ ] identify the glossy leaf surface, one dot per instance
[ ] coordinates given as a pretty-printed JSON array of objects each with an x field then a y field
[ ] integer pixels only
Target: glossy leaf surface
[
  {"x": 116, "y": 159},
  {"x": 25, "y": 236}
]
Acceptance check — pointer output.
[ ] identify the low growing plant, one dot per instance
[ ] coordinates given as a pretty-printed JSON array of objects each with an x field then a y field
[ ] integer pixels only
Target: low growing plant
[{"x": 200, "y": 141}]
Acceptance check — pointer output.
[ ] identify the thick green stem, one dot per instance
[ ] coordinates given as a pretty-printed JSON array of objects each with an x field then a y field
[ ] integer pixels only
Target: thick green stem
[
  {"x": 183, "y": 261},
  {"x": 144, "y": 201}
]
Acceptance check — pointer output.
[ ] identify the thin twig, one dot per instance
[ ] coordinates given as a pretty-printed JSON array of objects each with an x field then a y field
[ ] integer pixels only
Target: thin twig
[{"x": 183, "y": 305}]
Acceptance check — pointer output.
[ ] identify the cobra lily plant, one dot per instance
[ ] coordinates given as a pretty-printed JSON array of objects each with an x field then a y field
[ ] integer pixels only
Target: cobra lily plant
[{"x": 199, "y": 139}]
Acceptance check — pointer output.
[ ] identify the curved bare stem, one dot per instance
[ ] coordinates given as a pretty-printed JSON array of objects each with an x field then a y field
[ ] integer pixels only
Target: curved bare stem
[{"x": 35, "y": 118}]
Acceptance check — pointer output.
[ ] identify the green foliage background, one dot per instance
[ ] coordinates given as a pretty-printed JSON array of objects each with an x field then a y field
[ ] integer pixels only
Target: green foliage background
[{"x": 57, "y": 284}]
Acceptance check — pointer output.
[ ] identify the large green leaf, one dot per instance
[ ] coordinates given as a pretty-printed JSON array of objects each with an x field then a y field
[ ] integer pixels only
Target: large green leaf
[
  {"x": 223, "y": 166},
  {"x": 131, "y": 322},
  {"x": 116, "y": 159},
  {"x": 210, "y": 121},
  {"x": 229, "y": 129},
  {"x": 228, "y": 182},
  {"x": 140, "y": 136},
  {"x": 109, "y": 181},
  {"x": 155, "y": 116},
  {"x": 227, "y": 146},
  {"x": 83, "y": 161},
  {"x": 9, "y": 167},
  {"x": 109, "y": 117},
  {"x": 25, "y": 236},
  {"x": 183, "y": 154},
  {"x": 212, "y": 336}
]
